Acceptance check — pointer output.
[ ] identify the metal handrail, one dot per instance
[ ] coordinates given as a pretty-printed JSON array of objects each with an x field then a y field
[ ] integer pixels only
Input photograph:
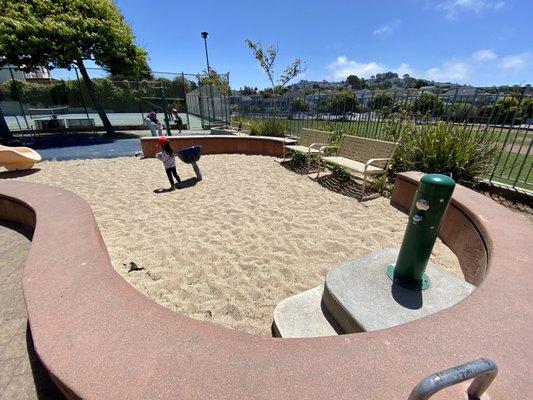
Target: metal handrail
[{"x": 483, "y": 371}]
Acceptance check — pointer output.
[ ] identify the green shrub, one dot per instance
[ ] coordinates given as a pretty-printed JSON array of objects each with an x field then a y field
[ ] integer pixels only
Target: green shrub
[
  {"x": 341, "y": 173},
  {"x": 274, "y": 127},
  {"x": 380, "y": 183},
  {"x": 462, "y": 112},
  {"x": 452, "y": 150},
  {"x": 256, "y": 128},
  {"x": 268, "y": 127},
  {"x": 298, "y": 159},
  {"x": 428, "y": 104}
]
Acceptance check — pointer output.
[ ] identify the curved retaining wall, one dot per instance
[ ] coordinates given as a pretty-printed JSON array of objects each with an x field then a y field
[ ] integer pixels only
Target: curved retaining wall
[
  {"x": 101, "y": 339},
  {"x": 220, "y": 144}
]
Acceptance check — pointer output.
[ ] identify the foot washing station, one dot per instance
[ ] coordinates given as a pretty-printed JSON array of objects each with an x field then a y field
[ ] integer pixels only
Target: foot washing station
[{"x": 385, "y": 288}]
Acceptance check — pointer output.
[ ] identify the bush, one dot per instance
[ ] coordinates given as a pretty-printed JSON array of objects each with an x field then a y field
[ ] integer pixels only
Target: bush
[
  {"x": 342, "y": 174},
  {"x": 451, "y": 150},
  {"x": 510, "y": 110},
  {"x": 268, "y": 127},
  {"x": 298, "y": 159},
  {"x": 462, "y": 112},
  {"x": 428, "y": 104},
  {"x": 381, "y": 100},
  {"x": 256, "y": 128}
]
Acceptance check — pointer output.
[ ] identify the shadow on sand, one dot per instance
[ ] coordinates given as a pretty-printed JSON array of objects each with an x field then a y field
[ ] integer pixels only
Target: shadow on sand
[
  {"x": 187, "y": 183},
  {"x": 18, "y": 174}
]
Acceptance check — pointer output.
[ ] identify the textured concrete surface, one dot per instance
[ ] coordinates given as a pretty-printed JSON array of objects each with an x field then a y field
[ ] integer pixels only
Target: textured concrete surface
[
  {"x": 362, "y": 298},
  {"x": 303, "y": 315},
  {"x": 22, "y": 375},
  {"x": 102, "y": 339}
]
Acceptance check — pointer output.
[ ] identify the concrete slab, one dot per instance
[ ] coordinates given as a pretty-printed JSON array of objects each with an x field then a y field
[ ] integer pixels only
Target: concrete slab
[
  {"x": 303, "y": 315},
  {"x": 361, "y": 297}
]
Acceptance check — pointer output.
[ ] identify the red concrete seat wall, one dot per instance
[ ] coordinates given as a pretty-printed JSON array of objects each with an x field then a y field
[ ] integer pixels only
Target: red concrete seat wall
[
  {"x": 213, "y": 144},
  {"x": 101, "y": 339}
]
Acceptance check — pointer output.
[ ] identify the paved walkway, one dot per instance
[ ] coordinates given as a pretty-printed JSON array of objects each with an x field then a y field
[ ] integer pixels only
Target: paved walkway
[
  {"x": 22, "y": 375},
  {"x": 78, "y": 147}
]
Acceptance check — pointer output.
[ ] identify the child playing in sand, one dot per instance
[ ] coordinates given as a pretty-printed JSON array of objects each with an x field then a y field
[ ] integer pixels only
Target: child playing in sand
[{"x": 167, "y": 157}]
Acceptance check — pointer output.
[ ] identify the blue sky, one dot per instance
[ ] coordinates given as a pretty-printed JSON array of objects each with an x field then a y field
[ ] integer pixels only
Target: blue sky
[{"x": 481, "y": 42}]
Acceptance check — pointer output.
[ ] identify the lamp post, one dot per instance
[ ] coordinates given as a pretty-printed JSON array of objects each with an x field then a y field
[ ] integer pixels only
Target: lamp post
[{"x": 204, "y": 36}]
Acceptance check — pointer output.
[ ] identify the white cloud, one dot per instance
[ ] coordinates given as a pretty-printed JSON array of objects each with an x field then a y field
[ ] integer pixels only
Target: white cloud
[
  {"x": 449, "y": 71},
  {"x": 342, "y": 67},
  {"x": 404, "y": 69},
  {"x": 516, "y": 61},
  {"x": 484, "y": 55},
  {"x": 387, "y": 29},
  {"x": 452, "y": 8}
]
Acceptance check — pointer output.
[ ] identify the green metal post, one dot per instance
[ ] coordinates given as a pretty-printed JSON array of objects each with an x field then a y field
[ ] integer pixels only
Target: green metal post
[
  {"x": 427, "y": 211},
  {"x": 165, "y": 110}
]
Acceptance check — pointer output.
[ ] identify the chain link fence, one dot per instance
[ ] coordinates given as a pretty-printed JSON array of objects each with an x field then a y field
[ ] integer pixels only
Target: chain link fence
[{"x": 32, "y": 105}]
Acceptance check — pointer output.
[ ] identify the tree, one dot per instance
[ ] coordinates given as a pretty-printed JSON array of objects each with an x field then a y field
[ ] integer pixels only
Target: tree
[
  {"x": 214, "y": 79},
  {"x": 420, "y": 83},
  {"x": 299, "y": 105},
  {"x": 247, "y": 91},
  {"x": 428, "y": 103},
  {"x": 355, "y": 82},
  {"x": 381, "y": 100},
  {"x": 342, "y": 103},
  {"x": 408, "y": 81},
  {"x": 144, "y": 73},
  {"x": 60, "y": 33},
  {"x": 267, "y": 59},
  {"x": 385, "y": 76}
]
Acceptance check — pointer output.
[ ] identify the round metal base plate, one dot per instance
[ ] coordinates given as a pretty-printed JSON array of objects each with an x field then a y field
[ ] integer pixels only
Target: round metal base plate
[{"x": 422, "y": 285}]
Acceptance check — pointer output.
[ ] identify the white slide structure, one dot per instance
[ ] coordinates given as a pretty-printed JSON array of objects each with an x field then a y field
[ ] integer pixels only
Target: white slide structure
[{"x": 18, "y": 158}]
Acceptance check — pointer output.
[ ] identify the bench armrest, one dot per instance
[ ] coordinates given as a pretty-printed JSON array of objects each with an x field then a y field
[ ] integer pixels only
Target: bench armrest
[
  {"x": 373, "y": 160},
  {"x": 313, "y": 145},
  {"x": 321, "y": 150}
]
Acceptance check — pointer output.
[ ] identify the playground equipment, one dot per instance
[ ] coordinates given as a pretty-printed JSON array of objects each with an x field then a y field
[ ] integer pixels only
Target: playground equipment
[
  {"x": 18, "y": 158},
  {"x": 191, "y": 155},
  {"x": 357, "y": 296}
]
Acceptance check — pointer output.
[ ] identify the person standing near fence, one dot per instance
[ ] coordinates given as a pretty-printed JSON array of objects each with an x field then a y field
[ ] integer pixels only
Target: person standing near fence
[{"x": 153, "y": 124}]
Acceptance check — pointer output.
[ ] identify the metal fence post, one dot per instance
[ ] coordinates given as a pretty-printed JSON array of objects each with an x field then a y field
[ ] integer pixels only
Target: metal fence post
[{"x": 20, "y": 103}]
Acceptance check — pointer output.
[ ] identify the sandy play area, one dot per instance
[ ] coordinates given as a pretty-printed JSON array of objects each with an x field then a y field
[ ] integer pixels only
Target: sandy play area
[{"x": 230, "y": 248}]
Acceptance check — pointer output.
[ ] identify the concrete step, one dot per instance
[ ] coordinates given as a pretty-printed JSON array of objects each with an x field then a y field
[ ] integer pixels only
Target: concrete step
[
  {"x": 303, "y": 315},
  {"x": 360, "y": 296}
]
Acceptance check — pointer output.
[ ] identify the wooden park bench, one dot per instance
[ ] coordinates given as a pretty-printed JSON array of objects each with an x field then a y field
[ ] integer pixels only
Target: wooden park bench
[
  {"x": 369, "y": 157},
  {"x": 309, "y": 142}
]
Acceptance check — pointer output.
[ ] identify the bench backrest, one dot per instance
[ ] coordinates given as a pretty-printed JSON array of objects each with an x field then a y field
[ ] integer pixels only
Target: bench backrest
[
  {"x": 309, "y": 136},
  {"x": 80, "y": 122},
  {"x": 363, "y": 149}
]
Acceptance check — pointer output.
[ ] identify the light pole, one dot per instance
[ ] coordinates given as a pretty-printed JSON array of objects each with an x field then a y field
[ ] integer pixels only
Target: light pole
[{"x": 204, "y": 36}]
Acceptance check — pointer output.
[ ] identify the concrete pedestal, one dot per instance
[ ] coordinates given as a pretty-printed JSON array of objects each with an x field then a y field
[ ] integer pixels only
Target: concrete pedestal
[
  {"x": 303, "y": 315},
  {"x": 361, "y": 297}
]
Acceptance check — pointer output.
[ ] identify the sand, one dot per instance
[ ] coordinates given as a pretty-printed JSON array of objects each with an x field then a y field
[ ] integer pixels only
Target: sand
[{"x": 230, "y": 248}]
